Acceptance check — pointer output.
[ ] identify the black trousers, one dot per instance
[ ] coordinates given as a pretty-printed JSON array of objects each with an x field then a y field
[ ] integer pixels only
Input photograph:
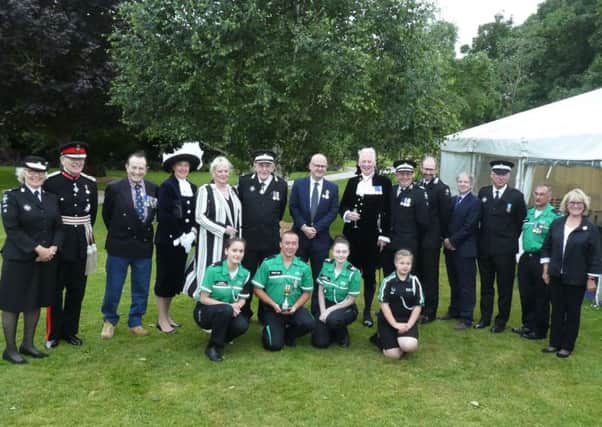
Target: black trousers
[
  {"x": 278, "y": 326},
  {"x": 566, "y": 313},
  {"x": 219, "y": 319},
  {"x": 335, "y": 327},
  {"x": 503, "y": 268},
  {"x": 364, "y": 255},
  {"x": 315, "y": 251},
  {"x": 63, "y": 319},
  {"x": 462, "y": 276},
  {"x": 534, "y": 294},
  {"x": 428, "y": 273},
  {"x": 251, "y": 261}
]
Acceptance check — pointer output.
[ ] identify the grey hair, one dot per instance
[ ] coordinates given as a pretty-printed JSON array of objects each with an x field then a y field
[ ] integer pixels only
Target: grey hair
[
  {"x": 467, "y": 175},
  {"x": 20, "y": 174},
  {"x": 220, "y": 161},
  {"x": 367, "y": 150}
]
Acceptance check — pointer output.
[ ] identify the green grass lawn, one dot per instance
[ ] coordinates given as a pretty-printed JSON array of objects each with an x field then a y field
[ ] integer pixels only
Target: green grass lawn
[{"x": 167, "y": 380}]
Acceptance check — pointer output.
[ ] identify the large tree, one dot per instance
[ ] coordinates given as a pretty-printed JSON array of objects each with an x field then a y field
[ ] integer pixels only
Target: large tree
[{"x": 297, "y": 76}]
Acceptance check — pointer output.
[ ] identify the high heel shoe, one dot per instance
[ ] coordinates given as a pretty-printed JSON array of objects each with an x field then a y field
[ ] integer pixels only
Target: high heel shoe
[{"x": 158, "y": 326}]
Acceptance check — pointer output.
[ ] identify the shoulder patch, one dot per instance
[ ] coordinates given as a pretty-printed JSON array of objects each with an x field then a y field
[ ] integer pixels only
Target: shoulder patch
[
  {"x": 90, "y": 177},
  {"x": 329, "y": 260}
]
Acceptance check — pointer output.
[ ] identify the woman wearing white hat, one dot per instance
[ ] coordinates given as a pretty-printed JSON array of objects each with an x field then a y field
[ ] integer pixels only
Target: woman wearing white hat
[{"x": 176, "y": 229}]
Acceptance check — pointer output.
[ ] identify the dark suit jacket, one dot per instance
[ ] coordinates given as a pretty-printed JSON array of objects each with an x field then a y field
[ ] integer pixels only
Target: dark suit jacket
[
  {"x": 127, "y": 237},
  {"x": 327, "y": 207},
  {"x": 501, "y": 221},
  {"x": 581, "y": 255},
  {"x": 375, "y": 209},
  {"x": 439, "y": 210},
  {"x": 29, "y": 223},
  {"x": 175, "y": 214},
  {"x": 464, "y": 224}
]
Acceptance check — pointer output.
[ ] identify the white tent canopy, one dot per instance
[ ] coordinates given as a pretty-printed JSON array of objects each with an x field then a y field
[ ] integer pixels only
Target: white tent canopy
[{"x": 563, "y": 133}]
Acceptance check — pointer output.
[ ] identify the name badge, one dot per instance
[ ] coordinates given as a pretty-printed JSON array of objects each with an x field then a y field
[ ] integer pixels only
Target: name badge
[
  {"x": 508, "y": 207},
  {"x": 275, "y": 273}
]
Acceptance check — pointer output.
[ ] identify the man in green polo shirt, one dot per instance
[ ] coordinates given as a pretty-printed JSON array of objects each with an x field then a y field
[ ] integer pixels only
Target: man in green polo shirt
[
  {"x": 283, "y": 283},
  {"x": 534, "y": 294}
]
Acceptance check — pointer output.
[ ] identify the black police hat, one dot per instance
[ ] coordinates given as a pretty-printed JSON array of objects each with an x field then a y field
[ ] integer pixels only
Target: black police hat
[
  {"x": 264, "y": 156},
  {"x": 406, "y": 165},
  {"x": 35, "y": 163},
  {"x": 501, "y": 167}
]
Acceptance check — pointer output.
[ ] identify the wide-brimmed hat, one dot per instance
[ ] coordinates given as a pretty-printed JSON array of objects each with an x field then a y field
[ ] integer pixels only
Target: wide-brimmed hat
[{"x": 189, "y": 151}]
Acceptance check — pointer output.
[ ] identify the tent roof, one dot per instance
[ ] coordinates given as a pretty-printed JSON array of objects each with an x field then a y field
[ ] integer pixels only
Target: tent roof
[{"x": 570, "y": 129}]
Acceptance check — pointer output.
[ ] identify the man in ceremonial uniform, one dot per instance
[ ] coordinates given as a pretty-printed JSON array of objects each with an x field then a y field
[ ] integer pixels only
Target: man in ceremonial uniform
[
  {"x": 284, "y": 283},
  {"x": 78, "y": 202},
  {"x": 263, "y": 197},
  {"x": 365, "y": 209},
  {"x": 534, "y": 293},
  {"x": 503, "y": 213},
  {"x": 409, "y": 215},
  {"x": 430, "y": 243}
]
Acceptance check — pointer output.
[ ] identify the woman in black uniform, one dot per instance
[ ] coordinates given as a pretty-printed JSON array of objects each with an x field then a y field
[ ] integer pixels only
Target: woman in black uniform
[
  {"x": 32, "y": 223},
  {"x": 176, "y": 229},
  {"x": 401, "y": 301}
]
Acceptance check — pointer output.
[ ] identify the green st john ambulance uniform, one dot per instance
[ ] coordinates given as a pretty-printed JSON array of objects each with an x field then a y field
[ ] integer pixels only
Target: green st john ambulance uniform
[
  {"x": 336, "y": 288},
  {"x": 272, "y": 276},
  {"x": 534, "y": 294},
  {"x": 221, "y": 286}
]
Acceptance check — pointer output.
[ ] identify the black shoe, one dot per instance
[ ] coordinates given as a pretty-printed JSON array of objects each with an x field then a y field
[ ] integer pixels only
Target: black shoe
[
  {"x": 563, "y": 354},
  {"x": 533, "y": 336},
  {"x": 368, "y": 322},
  {"x": 480, "y": 325},
  {"x": 51, "y": 343},
  {"x": 522, "y": 330},
  {"x": 447, "y": 316},
  {"x": 33, "y": 352},
  {"x": 15, "y": 360},
  {"x": 376, "y": 341},
  {"x": 172, "y": 331},
  {"x": 289, "y": 340},
  {"x": 462, "y": 326},
  {"x": 498, "y": 329},
  {"x": 345, "y": 341},
  {"x": 74, "y": 340},
  {"x": 213, "y": 354},
  {"x": 427, "y": 319},
  {"x": 549, "y": 349}
]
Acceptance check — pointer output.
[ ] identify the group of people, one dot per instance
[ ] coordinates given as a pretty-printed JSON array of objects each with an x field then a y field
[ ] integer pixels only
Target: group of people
[{"x": 241, "y": 252}]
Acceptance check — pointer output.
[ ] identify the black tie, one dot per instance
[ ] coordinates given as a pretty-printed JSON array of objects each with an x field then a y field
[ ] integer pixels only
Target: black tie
[
  {"x": 37, "y": 194},
  {"x": 262, "y": 189},
  {"x": 315, "y": 198},
  {"x": 497, "y": 194}
]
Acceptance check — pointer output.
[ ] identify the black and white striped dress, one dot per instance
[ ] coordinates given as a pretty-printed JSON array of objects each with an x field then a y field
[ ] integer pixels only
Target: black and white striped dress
[{"x": 213, "y": 213}]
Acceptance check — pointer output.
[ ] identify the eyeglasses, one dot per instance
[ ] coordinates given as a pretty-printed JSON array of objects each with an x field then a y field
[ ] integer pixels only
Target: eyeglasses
[{"x": 576, "y": 203}]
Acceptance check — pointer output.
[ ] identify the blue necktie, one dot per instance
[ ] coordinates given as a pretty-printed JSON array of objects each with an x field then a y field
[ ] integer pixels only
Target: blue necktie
[
  {"x": 315, "y": 199},
  {"x": 139, "y": 202}
]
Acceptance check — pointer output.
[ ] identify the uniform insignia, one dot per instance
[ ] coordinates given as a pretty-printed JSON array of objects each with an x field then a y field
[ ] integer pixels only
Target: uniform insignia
[
  {"x": 275, "y": 196},
  {"x": 27, "y": 207},
  {"x": 252, "y": 188},
  {"x": 276, "y": 273},
  {"x": 87, "y": 208},
  {"x": 436, "y": 180},
  {"x": 326, "y": 195},
  {"x": 75, "y": 188},
  {"x": 484, "y": 200},
  {"x": 86, "y": 187},
  {"x": 22, "y": 190},
  {"x": 584, "y": 228},
  {"x": 90, "y": 177},
  {"x": 508, "y": 207},
  {"x": 406, "y": 202},
  {"x": 446, "y": 191}
]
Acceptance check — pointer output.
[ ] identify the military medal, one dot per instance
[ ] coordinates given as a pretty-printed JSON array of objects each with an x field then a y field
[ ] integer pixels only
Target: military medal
[{"x": 27, "y": 207}]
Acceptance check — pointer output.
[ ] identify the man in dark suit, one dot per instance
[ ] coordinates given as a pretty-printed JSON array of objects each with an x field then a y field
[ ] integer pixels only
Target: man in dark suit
[
  {"x": 460, "y": 246},
  {"x": 430, "y": 243},
  {"x": 128, "y": 212},
  {"x": 78, "y": 203},
  {"x": 314, "y": 204},
  {"x": 263, "y": 197},
  {"x": 365, "y": 208},
  {"x": 503, "y": 213}
]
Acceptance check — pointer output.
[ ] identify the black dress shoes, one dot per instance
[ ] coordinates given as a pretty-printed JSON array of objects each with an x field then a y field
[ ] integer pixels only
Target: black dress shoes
[
  {"x": 563, "y": 354},
  {"x": 368, "y": 322},
  {"x": 345, "y": 341},
  {"x": 532, "y": 336},
  {"x": 33, "y": 352},
  {"x": 427, "y": 319},
  {"x": 549, "y": 349},
  {"x": 74, "y": 340},
  {"x": 289, "y": 340},
  {"x": 522, "y": 330},
  {"x": 16, "y": 359},
  {"x": 213, "y": 354},
  {"x": 374, "y": 339},
  {"x": 481, "y": 325},
  {"x": 498, "y": 329},
  {"x": 447, "y": 316}
]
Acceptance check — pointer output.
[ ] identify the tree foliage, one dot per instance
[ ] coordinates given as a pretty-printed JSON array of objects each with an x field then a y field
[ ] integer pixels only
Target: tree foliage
[{"x": 299, "y": 77}]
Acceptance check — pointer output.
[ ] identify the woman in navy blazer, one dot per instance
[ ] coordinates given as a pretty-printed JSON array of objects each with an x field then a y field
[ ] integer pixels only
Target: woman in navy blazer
[{"x": 571, "y": 261}]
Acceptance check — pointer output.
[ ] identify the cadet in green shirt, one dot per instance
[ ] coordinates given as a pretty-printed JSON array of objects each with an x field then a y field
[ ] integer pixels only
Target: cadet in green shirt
[
  {"x": 223, "y": 293},
  {"x": 283, "y": 283},
  {"x": 534, "y": 294},
  {"x": 339, "y": 286}
]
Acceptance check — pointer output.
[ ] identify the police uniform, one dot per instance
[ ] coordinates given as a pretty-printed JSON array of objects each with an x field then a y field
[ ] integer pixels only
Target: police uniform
[
  {"x": 402, "y": 296},
  {"x": 534, "y": 293},
  {"x": 226, "y": 288},
  {"x": 263, "y": 206},
  {"x": 500, "y": 227},
  {"x": 430, "y": 244},
  {"x": 78, "y": 204},
  {"x": 336, "y": 288},
  {"x": 274, "y": 278},
  {"x": 409, "y": 218},
  {"x": 370, "y": 197}
]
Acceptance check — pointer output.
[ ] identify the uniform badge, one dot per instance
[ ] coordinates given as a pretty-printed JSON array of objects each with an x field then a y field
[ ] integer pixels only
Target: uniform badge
[
  {"x": 508, "y": 207},
  {"x": 87, "y": 208},
  {"x": 446, "y": 191},
  {"x": 406, "y": 202},
  {"x": 86, "y": 187},
  {"x": 275, "y": 196},
  {"x": 27, "y": 208},
  {"x": 484, "y": 200},
  {"x": 326, "y": 195},
  {"x": 378, "y": 190},
  {"x": 252, "y": 188},
  {"x": 75, "y": 188},
  {"x": 584, "y": 228},
  {"x": 150, "y": 202}
]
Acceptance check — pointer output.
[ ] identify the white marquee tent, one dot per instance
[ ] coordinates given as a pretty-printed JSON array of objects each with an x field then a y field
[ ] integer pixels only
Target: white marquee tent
[{"x": 559, "y": 143}]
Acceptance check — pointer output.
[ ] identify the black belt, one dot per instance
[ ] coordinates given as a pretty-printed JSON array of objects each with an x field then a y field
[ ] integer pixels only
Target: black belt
[{"x": 532, "y": 253}]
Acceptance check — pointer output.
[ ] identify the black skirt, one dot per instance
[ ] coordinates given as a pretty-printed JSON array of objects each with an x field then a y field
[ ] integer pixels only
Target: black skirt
[
  {"x": 27, "y": 285},
  {"x": 171, "y": 263}
]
